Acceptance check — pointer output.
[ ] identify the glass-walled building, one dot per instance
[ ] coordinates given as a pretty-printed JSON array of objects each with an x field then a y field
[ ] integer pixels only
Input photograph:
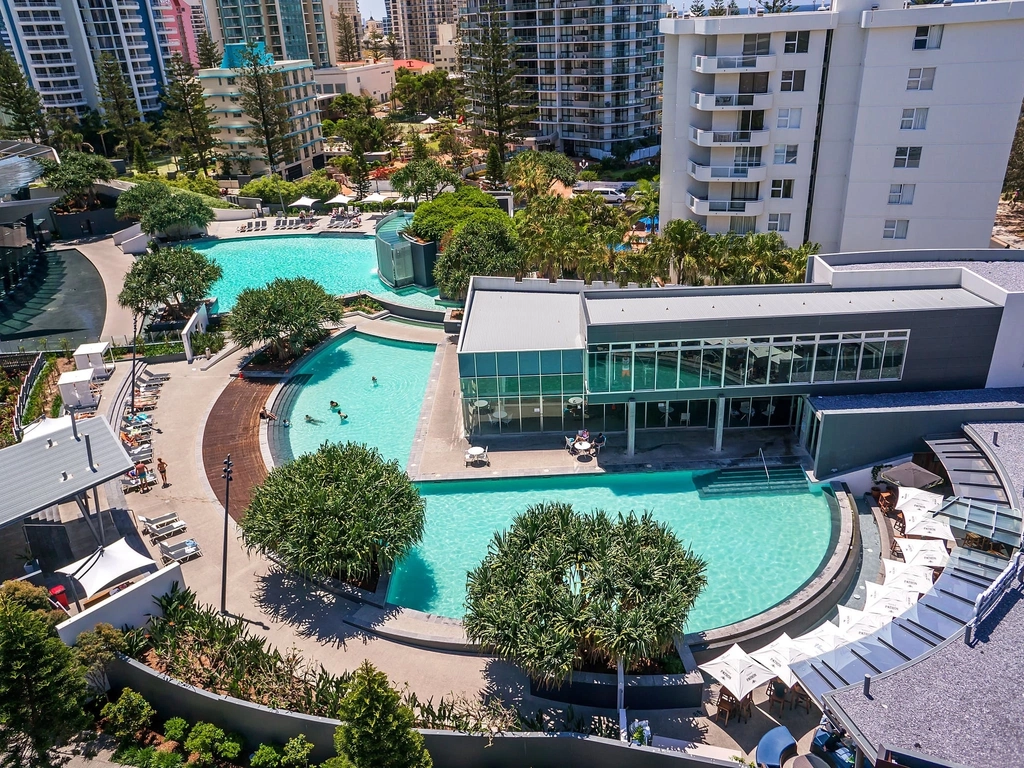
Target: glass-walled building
[{"x": 540, "y": 357}]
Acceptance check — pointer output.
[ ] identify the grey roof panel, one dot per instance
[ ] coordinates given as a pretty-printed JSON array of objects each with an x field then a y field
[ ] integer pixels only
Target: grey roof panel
[
  {"x": 37, "y": 473},
  {"x": 1008, "y": 274},
  {"x": 956, "y": 399},
  {"x": 605, "y": 308},
  {"x": 513, "y": 321}
]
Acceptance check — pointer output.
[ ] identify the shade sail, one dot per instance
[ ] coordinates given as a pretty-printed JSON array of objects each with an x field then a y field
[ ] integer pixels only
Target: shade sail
[
  {"x": 106, "y": 566},
  {"x": 916, "y": 499},
  {"x": 925, "y": 525},
  {"x": 339, "y": 200},
  {"x": 738, "y": 672},
  {"x": 303, "y": 202},
  {"x": 856, "y": 624},
  {"x": 376, "y": 197},
  {"x": 777, "y": 656},
  {"x": 886, "y": 600},
  {"x": 928, "y": 552},
  {"x": 909, "y": 474},
  {"x": 820, "y": 640},
  {"x": 431, "y": 121},
  {"x": 914, "y": 577}
]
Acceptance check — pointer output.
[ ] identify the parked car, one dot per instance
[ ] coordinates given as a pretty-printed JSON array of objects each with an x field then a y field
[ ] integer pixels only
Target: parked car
[{"x": 610, "y": 195}]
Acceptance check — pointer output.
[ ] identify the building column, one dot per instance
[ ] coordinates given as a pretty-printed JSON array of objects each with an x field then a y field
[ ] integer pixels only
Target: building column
[
  {"x": 719, "y": 423},
  {"x": 631, "y": 427}
]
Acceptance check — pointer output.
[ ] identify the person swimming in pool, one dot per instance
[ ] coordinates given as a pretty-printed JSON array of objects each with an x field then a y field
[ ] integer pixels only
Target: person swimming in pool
[
  {"x": 374, "y": 380},
  {"x": 342, "y": 417},
  {"x": 311, "y": 420},
  {"x": 334, "y": 405}
]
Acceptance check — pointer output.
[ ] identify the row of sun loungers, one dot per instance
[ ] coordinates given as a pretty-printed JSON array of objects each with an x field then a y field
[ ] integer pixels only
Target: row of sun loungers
[
  {"x": 256, "y": 225},
  {"x": 164, "y": 527},
  {"x": 295, "y": 223},
  {"x": 344, "y": 222},
  {"x": 136, "y": 429}
]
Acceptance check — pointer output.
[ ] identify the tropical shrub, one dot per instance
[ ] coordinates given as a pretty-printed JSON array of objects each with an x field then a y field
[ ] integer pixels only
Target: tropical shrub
[
  {"x": 270, "y": 189},
  {"x": 175, "y": 729},
  {"x": 532, "y": 173},
  {"x": 424, "y": 179},
  {"x": 214, "y": 340},
  {"x": 127, "y": 717},
  {"x": 177, "y": 215},
  {"x": 377, "y": 730},
  {"x": 97, "y": 650},
  {"x": 288, "y": 314},
  {"x": 134, "y": 202},
  {"x": 75, "y": 175},
  {"x": 560, "y": 589},
  {"x": 317, "y": 185},
  {"x": 480, "y": 247},
  {"x": 435, "y": 219},
  {"x": 179, "y": 276},
  {"x": 341, "y": 511},
  {"x": 296, "y": 752},
  {"x": 265, "y": 756},
  {"x": 201, "y": 184},
  {"x": 206, "y": 742}
]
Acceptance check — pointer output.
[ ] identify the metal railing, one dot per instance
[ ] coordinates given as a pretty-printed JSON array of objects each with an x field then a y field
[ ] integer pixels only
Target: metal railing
[
  {"x": 25, "y": 392},
  {"x": 760, "y": 452},
  {"x": 986, "y": 601}
]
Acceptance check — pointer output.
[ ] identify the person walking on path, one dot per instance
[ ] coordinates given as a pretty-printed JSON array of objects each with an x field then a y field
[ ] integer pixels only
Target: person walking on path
[{"x": 161, "y": 467}]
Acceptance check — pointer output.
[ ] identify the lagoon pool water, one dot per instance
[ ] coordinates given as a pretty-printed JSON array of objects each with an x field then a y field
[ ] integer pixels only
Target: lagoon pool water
[
  {"x": 759, "y": 549},
  {"x": 340, "y": 264}
]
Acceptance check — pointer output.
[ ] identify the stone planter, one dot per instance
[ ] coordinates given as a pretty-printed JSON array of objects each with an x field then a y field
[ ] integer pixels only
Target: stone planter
[{"x": 453, "y": 326}]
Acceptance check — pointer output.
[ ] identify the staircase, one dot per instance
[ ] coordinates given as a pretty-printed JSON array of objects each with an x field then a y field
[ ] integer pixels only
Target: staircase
[{"x": 737, "y": 481}]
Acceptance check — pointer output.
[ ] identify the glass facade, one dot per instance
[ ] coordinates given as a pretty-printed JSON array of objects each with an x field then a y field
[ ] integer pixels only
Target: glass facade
[{"x": 746, "y": 362}]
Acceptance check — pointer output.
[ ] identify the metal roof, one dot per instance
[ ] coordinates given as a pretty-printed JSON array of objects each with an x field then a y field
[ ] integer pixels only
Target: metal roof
[
  {"x": 1007, "y": 273},
  {"x": 605, "y": 308},
  {"x": 48, "y": 470},
  {"x": 970, "y": 471},
  {"x": 513, "y": 321},
  {"x": 26, "y": 149},
  {"x": 993, "y": 521}
]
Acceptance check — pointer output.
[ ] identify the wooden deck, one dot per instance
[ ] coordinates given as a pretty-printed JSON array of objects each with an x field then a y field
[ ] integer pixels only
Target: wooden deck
[{"x": 234, "y": 427}]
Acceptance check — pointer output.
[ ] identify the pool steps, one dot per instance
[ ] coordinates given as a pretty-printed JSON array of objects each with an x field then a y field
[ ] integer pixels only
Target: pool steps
[{"x": 738, "y": 481}]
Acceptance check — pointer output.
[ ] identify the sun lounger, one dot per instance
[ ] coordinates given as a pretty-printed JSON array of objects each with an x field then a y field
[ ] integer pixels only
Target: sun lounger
[
  {"x": 246, "y": 228},
  {"x": 149, "y": 375},
  {"x": 161, "y": 532},
  {"x": 158, "y": 521},
  {"x": 180, "y": 551}
]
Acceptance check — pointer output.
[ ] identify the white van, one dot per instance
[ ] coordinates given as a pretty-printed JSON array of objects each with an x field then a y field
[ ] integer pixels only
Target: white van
[{"x": 610, "y": 195}]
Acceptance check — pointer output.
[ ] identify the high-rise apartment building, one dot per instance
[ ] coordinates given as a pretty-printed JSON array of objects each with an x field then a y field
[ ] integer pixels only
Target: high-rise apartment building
[
  {"x": 175, "y": 20},
  {"x": 240, "y": 146},
  {"x": 594, "y": 66},
  {"x": 290, "y": 29},
  {"x": 58, "y": 44},
  {"x": 414, "y": 24},
  {"x": 341, "y": 9},
  {"x": 864, "y": 125},
  {"x": 446, "y": 52}
]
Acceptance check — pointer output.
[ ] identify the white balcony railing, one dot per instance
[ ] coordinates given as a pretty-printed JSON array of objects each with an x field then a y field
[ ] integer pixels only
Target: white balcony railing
[
  {"x": 711, "y": 65},
  {"x": 706, "y": 138},
  {"x": 704, "y": 207},
  {"x": 709, "y": 173},
  {"x": 720, "y": 101}
]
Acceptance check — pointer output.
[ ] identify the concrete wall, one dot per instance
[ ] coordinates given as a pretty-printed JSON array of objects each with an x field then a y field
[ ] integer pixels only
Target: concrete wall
[
  {"x": 102, "y": 221},
  {"x": 232, "y": 214},
  {"x": 412, "y": 313},
  {"x": 849, "y": 440},
  {"x": 642, "y": 691},
  {"x": 132, "y": 606}
]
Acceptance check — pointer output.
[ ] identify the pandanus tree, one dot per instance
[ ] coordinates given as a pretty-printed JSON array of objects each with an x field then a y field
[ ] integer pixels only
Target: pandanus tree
[
  {"x": 560, "y": 589},
  {"x": 289, "y": 314}
]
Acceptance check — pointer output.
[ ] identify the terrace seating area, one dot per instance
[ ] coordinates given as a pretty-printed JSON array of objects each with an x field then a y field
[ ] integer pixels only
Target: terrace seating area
[{"x": 136, "y": 429}]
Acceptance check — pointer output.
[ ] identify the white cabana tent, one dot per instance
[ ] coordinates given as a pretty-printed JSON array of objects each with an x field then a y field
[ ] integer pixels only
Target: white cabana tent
[
  {"x": 819, "y": 640},
  {"x": 76, "y": 388},
  {"x": 738, "y": 672},
  {"x": 915, "y": 499},
  {"x": 856, "y": 624},
  {"x": 930, "y": 552},
  {"x": 777, "y": 656},
  {"x": 339, "y": 200},
  {"x": 921, "y": 523},
  {"x": 92, "y": 356},
  {"x": 888, "y": 601},
  {"x": 376, "y": 197},
  {"x": 915, "y": 577},
  {"x": 106, "y": 566},
  {"x": 431, "y": 121},
  {"x": 303, "y": 202}
]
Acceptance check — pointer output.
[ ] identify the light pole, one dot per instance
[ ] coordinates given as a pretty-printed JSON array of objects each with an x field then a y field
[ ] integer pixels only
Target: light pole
[
  {"x": 226, "y": 474},
  {"x": 135, "y": 335}
]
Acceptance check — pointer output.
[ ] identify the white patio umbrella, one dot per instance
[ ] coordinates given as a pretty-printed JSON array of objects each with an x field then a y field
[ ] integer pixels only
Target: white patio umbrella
[
  {"x": 856, "y": 624},
  {"x": 777, "y": 656},
  {"x": 888, "y": 601},
  {"x": 915, "y": 498},
  {"x": 922, "y": 523},
  {"x": 820, "y": 640},
  {"x": 930, "y": 552},
  {"x": 915, "y": 577},
  {"x": 738, "y": 672},
  {"x": 339, "y": 200},
  {"x": 303, "y": 202},
  {"x": 431, "y": 121},
  {"x": 910, "y": 474},
  {"x": 376, "y": 197}
]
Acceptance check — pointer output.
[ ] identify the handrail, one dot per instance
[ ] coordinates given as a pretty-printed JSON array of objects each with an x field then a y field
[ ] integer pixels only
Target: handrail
[
  {"x": 765, "y": 463},
  {"x": 983, "y": 604}
]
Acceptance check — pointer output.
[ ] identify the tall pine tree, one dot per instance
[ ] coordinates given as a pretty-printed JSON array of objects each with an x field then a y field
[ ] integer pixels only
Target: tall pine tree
[
  {"x": 394, "y": 47},
  {"x": 20, "y": 101},
  {"x": 717, "y": 8},
  {"x": 697, "y": 8},
  {"x": 118, "y": 103},
  {"x": 188, "y": 117},
  {"x": 497, "y": 101},
  {"x": 348, "y": 39},
  {"x": 209, "y": 53},
  {"x": 263, "y": 101}
]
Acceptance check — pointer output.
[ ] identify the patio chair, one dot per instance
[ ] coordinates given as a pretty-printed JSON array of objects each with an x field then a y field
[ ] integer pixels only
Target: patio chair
[
  {"x": 570, "y": 446},
  {"x": 181, "y": 551},
  {"x": 799, "y": 698},
  {"x": 777, "y": 694},
  {"x": 725, "y": 705}
]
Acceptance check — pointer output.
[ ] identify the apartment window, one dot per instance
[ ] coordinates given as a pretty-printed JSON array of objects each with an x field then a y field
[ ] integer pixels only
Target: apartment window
[
  {"x": 793, "y": 79},
  {"x": 756, "y": 45},
  {"x": 901, "y": 194},
  {"x": 895, "y": 229},
  {"x": 796, "y": 42},
  {"x": 785, "y": 154},
  {"x": 778, "y": 222},
  {"x": 789, "y": 117},
  {"x": 782, "y": 188},
  {"x": 907, "y": 157},
  {"x": 921, "y": 78},
  {"x": 914, "y": 119},
  {"x": 928, "y": 37},
  {"x": 231, "y": 81}
]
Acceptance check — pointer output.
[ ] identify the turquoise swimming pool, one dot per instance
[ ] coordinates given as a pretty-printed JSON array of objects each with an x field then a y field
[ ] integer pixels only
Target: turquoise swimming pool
[
  {"x": 341, "y": 264},
  {"x": 759, "y": 549}
]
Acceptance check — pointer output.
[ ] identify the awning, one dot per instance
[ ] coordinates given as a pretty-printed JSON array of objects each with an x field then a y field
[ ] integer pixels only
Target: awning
[
  {"x": 970, "y": 472},
  {"x": 106, "y": 566},
  {"x": 910, "y": 475},
  {"x": 303, "y": 202},
  {"x": 992, "y": 521}
]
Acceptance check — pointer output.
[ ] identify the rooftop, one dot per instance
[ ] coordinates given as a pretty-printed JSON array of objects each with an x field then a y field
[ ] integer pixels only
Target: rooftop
[
  {"x": 1009, "y": 450},
  {"x": 956, "y": 399},
  {"x": 1007, "y": 274},
  {"x": 510, "y": 321},
  {"x": 925, "y": 706}
]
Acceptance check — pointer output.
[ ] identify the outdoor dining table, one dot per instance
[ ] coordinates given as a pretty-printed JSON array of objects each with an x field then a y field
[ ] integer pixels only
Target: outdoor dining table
[
  {"x": 501, "y": 415},
  {"x": 475, "y": 451},
  {"x": 575, "y": 401},
  {"x": 479, "y": 404},
  {"x": 582, "y": 446}
]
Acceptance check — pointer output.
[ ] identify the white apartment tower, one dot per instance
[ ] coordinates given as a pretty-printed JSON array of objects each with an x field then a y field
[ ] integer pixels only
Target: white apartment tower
[
  {"x": 860, "y": 126},
  {"x": 414, "y": 23},
  {"x": 595, "y": 67}
]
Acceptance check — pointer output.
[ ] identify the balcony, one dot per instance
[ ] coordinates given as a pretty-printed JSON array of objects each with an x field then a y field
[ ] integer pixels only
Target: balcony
[
  {"x": 704, "y": 207},
  {"x": 704, "y": 138},
  {"x": 713, "y": 102},
  {"x": 728, "y": 172},
  {"x": 715, "y": 65}
]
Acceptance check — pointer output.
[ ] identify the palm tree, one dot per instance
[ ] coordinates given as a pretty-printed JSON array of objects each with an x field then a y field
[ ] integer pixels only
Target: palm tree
[
  {"x": 796, "y": 262},
  {"x": 761, "y": 259},
  {"x": 644, "y": 202},
  {"x": 685, "y": 240}
]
